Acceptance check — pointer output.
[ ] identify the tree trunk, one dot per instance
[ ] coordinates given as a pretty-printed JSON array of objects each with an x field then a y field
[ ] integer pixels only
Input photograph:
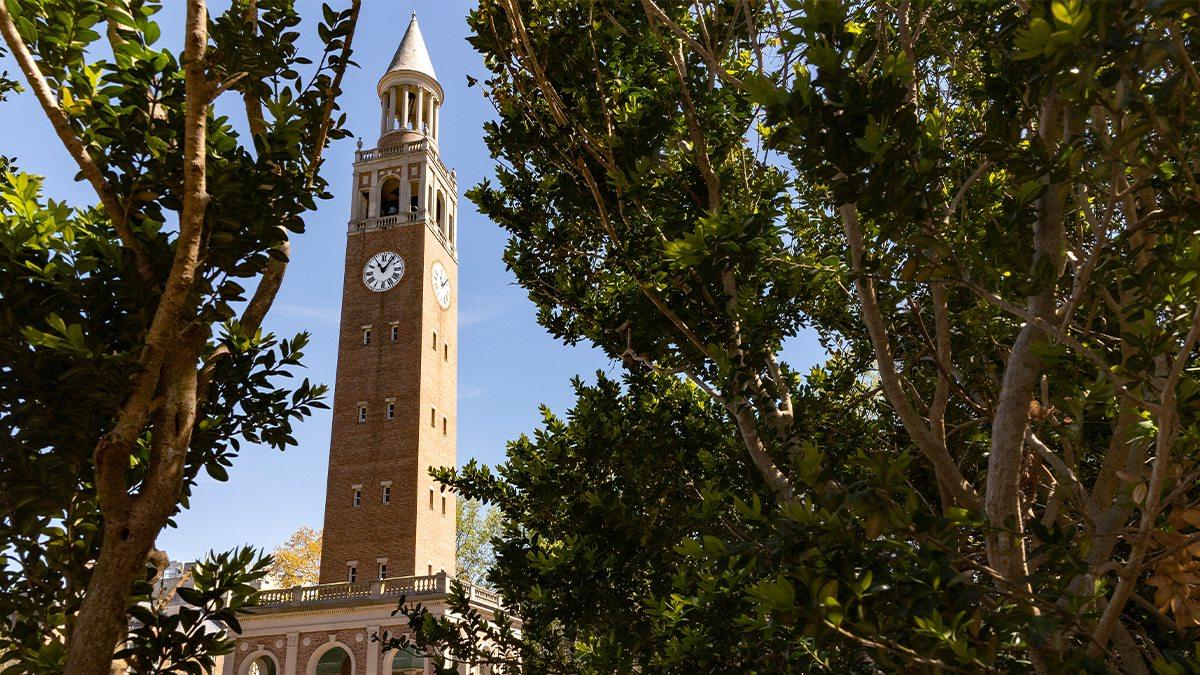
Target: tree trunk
[
  {"x": 102, "y": 622},
  {"x": 1002, "y": 499}
]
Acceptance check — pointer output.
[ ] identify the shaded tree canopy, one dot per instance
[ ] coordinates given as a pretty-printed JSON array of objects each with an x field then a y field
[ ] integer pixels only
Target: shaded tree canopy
[
  {"x": 131, "y": 348},
  {"x": 987, "y": 212}
]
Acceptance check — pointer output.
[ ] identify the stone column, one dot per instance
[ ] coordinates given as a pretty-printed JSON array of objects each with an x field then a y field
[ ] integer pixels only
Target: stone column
[
  {"x": 423, "y": 178},
  {"x": 433, "y": 104},
  {"x": 355, "y": 211},
  {"x": 290, "y": 656},
  {"x": 407, "y": 106},
  {"x": 373, "y": 200},
  {"x": 420, "y": 110},
  {"x": 372, "y": 653},
  {"x": 383, "y": 113},
  {"x": 391, "y": 115}
]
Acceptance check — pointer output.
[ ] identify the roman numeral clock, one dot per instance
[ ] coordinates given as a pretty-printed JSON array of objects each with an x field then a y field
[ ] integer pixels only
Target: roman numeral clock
[{"x": 383, "y": 271}]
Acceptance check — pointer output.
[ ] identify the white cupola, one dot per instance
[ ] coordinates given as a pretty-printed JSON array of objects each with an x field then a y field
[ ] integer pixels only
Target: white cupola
[{"x": 409, "y": 92}]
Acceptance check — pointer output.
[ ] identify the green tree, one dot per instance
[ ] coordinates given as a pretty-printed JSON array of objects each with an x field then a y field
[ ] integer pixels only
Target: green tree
[
  {"x": 477, "y": 524},
  {"x": 133, "y": 360},
  {"x": 987, "y": 213}
]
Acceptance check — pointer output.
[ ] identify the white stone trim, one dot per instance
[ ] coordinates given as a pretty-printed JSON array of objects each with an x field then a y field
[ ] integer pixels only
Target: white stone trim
[{"x": 253, "y": 656}]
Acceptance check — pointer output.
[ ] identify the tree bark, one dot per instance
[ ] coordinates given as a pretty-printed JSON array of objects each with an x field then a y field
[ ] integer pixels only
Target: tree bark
[
  {"x": 1002, "y": 498},
  {"x": 132, "y": 522},
  {"x": 949, "y": 477}
]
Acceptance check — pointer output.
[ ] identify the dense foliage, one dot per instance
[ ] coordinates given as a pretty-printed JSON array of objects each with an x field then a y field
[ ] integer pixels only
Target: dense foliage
[
  {"x": 988, "y": 213},
  {"x": 128, "y": 372}
]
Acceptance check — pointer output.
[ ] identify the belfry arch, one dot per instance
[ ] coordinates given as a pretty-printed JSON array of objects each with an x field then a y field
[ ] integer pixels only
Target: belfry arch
[{"x": 389, "y": 196}]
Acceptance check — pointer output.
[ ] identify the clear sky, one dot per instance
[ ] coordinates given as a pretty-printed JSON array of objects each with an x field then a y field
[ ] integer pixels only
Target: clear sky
[{"x": 507, "y": 365}]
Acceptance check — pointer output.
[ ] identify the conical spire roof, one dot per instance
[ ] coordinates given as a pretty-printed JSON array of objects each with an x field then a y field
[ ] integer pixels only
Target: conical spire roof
[{"x": 412, "y": 54}]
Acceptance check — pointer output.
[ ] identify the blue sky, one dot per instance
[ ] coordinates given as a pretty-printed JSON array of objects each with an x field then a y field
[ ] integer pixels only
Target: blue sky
[{"x": 508, "y": 365}]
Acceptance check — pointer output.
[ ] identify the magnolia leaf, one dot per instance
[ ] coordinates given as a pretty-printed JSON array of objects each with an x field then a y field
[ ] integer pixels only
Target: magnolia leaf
[{"x": 1139, "y": 493}]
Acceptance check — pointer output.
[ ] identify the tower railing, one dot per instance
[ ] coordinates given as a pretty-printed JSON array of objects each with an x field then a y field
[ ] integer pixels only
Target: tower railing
[
  {"x": 399, "y": 219},
  {"x": 392, "y": 587},
  {"x": 404, "y": 149},
  {"x": 392, "y": 151},
  {"x": 388, "y": 221}
]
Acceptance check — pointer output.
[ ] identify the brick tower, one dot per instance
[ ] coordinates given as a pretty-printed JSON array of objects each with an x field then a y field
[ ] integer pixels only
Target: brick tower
[
  {"x": 394, "y": 406},
  {"x": 389, "y": 530}
]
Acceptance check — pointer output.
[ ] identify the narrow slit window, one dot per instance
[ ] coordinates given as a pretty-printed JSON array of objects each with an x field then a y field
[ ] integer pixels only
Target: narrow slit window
[
  {"x": 357, "y": 497},
  {"x": 366, "y": 336},
  {"x": 362, "y": 412},
  {"x": 435, "y": 339},
  {"x": 352, "y": 573},
  {"x": 430, "y": 499},
  {"x": 433, "y": 417},
  {"x": 395, "y": 332},
  {"x": 387, "y": 494},
  {"x": 429, "y": 570},
  {"x": 383, "y": 570},
  {"x": 443, "y": 505},
  {"x": 391, "y": 410},
  {"x": 446, "y": 352},
  {"x": 445, "y": 424}
]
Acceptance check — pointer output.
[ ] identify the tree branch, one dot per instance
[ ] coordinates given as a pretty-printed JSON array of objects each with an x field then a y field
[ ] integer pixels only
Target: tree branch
[
  {"x": 1164, "y": 440},
  {"x": 948, "y": 474}
]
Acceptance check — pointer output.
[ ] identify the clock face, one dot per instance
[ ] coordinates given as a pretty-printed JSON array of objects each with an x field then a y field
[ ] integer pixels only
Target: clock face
[
  {"x": 441, "y": 284},
  {"x": 383, "y": 271}
]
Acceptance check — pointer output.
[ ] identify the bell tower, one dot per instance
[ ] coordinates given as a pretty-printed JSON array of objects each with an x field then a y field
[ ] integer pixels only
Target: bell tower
[{"x": 395, "y": 405}]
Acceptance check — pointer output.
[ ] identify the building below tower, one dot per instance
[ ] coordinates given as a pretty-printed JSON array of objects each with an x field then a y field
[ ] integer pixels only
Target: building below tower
[{"x": 328, "y": 629}]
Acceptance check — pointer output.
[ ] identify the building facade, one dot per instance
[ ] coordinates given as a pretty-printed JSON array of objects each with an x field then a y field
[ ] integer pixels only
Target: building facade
[{"x": 389, "y": 529}]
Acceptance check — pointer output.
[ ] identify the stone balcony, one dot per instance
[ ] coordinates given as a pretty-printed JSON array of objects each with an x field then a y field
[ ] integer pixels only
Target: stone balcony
[
  {"x": 388, "y": 222},
  {"x": 400, "y": 219},
  {"x": 349, "y": 592},
  {"x": 406, "y": 148}
]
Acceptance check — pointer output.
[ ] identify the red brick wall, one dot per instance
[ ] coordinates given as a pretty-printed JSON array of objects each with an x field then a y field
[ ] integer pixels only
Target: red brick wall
[
  {"x": 405, "y": 531},
  {"x": 355, "y": 641},
  {"x": 275, "y": 644}
]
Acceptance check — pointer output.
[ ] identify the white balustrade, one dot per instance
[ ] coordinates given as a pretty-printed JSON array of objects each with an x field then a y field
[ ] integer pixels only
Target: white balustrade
[
  {"x": 388, "y": 221},
  {"x": 404, "y": 149},
  {"x": 394, "y": 587}
]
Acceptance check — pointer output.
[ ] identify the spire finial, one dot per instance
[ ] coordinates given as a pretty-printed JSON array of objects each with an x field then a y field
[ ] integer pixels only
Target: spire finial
[{"x": 412, "y": 54}]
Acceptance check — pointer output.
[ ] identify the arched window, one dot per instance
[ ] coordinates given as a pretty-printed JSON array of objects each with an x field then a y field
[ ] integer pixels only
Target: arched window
[
  {"x": 389, "y": 197},
  {"x": 441, "y": 213},
  {"x": 263, "y": 665},
  {"x": 335, "y": 662},
  {"x": 408, "y": 662}
]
